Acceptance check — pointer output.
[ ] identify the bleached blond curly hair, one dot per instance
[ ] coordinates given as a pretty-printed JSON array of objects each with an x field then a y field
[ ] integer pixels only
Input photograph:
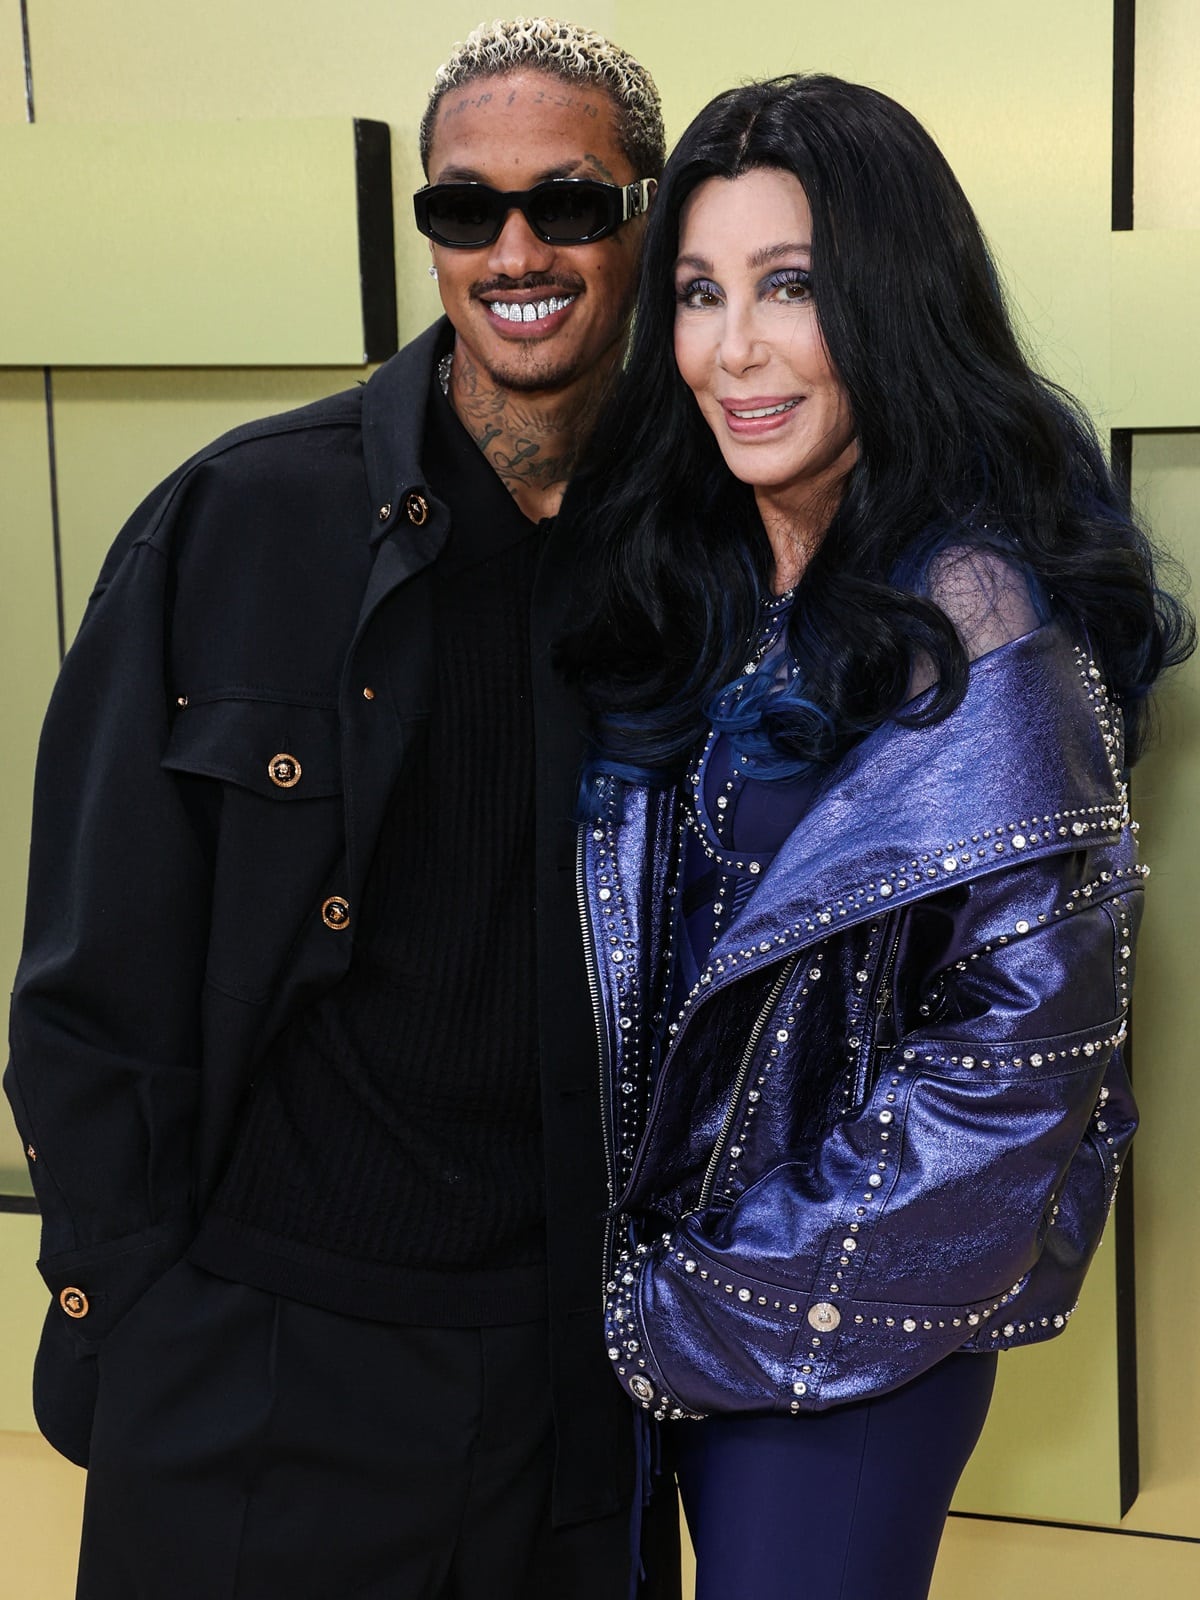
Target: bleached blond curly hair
[{"x": 565, "y": 50}]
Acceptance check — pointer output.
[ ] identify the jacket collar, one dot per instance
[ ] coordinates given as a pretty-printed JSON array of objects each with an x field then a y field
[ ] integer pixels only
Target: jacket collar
[
  {"x": 1029, "y": 765},
  {"x": 395, "y": 401},
  {"x": 409, "y": 524}
]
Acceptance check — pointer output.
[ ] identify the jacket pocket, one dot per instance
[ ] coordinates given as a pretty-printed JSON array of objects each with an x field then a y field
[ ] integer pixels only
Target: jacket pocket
[
  {"x": 280, "y": 751},
  {"x": 265, "y": 778},
  {"x": 690, "y": 1337}
]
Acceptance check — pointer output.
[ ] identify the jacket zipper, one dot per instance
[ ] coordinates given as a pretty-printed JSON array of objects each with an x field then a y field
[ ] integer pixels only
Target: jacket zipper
[
  {"x": 880, "y": 1023},
  {"x": 739, "y": 1081},
  {"x": 883, "y": 994},
  {"x": 602, "y": 1051}
]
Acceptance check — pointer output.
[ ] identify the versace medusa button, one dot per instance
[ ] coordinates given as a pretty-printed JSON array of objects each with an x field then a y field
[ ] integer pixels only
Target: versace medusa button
[
  {"x": 641, "y": 1388},
  {"x": 823, "y": 1317},
  {"x": 335, "y": 913},
  {"x": 284, "y": 771},
  {"x": 74, "y": 1302},
  {"x": 417, "y": 509}
]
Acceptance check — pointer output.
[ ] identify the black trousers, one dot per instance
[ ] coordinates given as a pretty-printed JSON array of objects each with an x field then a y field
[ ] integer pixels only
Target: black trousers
[
  {"x": 247, "y": 1447},
  {"x": 847, "y": 1504}
]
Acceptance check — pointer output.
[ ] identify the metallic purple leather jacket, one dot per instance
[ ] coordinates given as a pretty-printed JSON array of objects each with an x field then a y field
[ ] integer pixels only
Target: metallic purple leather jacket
[{"x": 889, "y": 1121}]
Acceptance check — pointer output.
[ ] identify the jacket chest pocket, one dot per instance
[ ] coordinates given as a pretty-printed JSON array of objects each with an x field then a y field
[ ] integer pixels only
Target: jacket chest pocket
[{"x": 264, "y": 779}]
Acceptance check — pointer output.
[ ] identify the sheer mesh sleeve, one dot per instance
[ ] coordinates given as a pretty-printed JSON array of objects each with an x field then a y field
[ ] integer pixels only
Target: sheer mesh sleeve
[{"x": 986, "y": 598}]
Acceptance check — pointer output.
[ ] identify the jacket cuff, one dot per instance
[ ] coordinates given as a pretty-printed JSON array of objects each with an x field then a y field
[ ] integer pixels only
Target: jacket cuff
[{"x": 94, "y": 1287}]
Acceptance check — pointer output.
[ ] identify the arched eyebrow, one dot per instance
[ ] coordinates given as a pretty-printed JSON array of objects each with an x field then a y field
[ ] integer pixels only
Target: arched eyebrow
[
  {"x": 776, "y": 252},
  {"x": 765, "y": 257}
]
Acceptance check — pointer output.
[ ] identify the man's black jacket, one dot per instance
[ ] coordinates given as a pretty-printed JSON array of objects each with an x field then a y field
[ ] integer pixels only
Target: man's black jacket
[{"x": 270, "y": 600}]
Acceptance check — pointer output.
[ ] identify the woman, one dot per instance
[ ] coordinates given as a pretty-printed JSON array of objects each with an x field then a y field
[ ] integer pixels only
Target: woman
[{"x": 869, "y": 641}]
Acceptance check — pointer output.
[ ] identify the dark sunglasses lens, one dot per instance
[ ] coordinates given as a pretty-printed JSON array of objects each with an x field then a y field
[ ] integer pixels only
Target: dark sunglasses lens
[
  {"x": 567, "y": 212},
  {"x": 561, "y": 210},
  {"x": 465, "y": 216}
]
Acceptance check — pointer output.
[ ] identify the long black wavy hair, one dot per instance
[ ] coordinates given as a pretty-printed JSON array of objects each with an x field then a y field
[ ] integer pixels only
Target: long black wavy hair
[{"x": 960, "y": 444}]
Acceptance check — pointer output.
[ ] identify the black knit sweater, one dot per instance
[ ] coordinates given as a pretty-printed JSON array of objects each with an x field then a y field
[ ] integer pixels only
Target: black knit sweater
[{"x": 389, "y": 1162}]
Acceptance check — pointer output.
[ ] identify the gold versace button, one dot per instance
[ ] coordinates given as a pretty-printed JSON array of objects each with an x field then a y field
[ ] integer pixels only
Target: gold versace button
[
  {"x": 284, "y": 771},
  {"x": 823, "y": 1316},
  {"x": 385, "y": 511},
  {"x": 74, "y": 1302},
  {"x": 335, "y": 913},
  {"x": 417, "y": 508}
]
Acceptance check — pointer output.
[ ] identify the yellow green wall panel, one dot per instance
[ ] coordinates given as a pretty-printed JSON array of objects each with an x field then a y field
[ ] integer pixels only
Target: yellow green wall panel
[
  {"x": 196, "y": 244},
  {"x": 22, "y": 1308},
  {"x": 1166, "y": 1025},
  {"x": 165, "y": 60},
  {"x": 1155, "y": 329},
  {"x": 1166, "y": 147},
  {"x": 12, "y": 63},
  {"x": 1049, "y": 1446},
  {"x": 42, "y": 1494},
  {"x": 1000, "y": 1561},
  {"x": 28, "y": 663}
]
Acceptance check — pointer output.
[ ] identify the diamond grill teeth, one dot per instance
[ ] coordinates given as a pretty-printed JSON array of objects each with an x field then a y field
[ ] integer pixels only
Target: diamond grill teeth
[{"x": 528, "y": 311}]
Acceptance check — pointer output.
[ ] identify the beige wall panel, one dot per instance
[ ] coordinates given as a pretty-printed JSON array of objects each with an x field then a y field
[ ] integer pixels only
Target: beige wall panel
[
  {"x": 1155, "y": 329},
  {"x": 12, "y": 63},
  {"x": 120, "y": 433},
  {"x": 1166, "y": 794},
  {"x": 1049, "y": 1445},
  {"x": 277, "y": 58},
  {"x": 170, "y": 59},
  {"x": 40, "y": 1512},
  {"x": 997, "y": 1561},
  {"x": 1166, "y": 143},
  {"x": 1019, "y": 97},
  {"x": 181, "y": 244},
  {"x": 22, "y": 1308},
  {"x": 28, "y": 663}
]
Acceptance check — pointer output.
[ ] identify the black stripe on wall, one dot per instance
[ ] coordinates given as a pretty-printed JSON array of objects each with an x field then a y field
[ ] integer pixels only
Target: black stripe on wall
[
  {"x": 28, "y": 55},
  {"x": 1128, "y": 1449},
  {"x": 55, "y": 525},
  {"x": 1078, "y": 1527},
  {"x": 1124, "y": 16},
  {"x": 376, "y": 239}
]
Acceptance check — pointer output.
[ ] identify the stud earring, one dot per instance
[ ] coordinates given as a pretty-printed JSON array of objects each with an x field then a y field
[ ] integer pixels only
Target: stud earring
[{"x": 433, "y": 272}]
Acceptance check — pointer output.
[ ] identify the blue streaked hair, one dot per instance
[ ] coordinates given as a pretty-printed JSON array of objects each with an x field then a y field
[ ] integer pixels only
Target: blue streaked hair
[{"x": 960, "y": 444}]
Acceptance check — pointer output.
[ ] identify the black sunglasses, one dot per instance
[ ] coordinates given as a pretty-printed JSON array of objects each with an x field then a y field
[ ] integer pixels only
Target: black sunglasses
[{"x": 467, "y": 216}]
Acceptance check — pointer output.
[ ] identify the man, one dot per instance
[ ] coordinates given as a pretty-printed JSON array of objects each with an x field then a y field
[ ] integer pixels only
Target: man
[{"x": 310, "y": 1098}]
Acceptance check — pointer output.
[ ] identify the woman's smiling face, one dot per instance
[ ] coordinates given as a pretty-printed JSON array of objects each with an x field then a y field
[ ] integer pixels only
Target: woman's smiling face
[{"x": 748, "y": 343}]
